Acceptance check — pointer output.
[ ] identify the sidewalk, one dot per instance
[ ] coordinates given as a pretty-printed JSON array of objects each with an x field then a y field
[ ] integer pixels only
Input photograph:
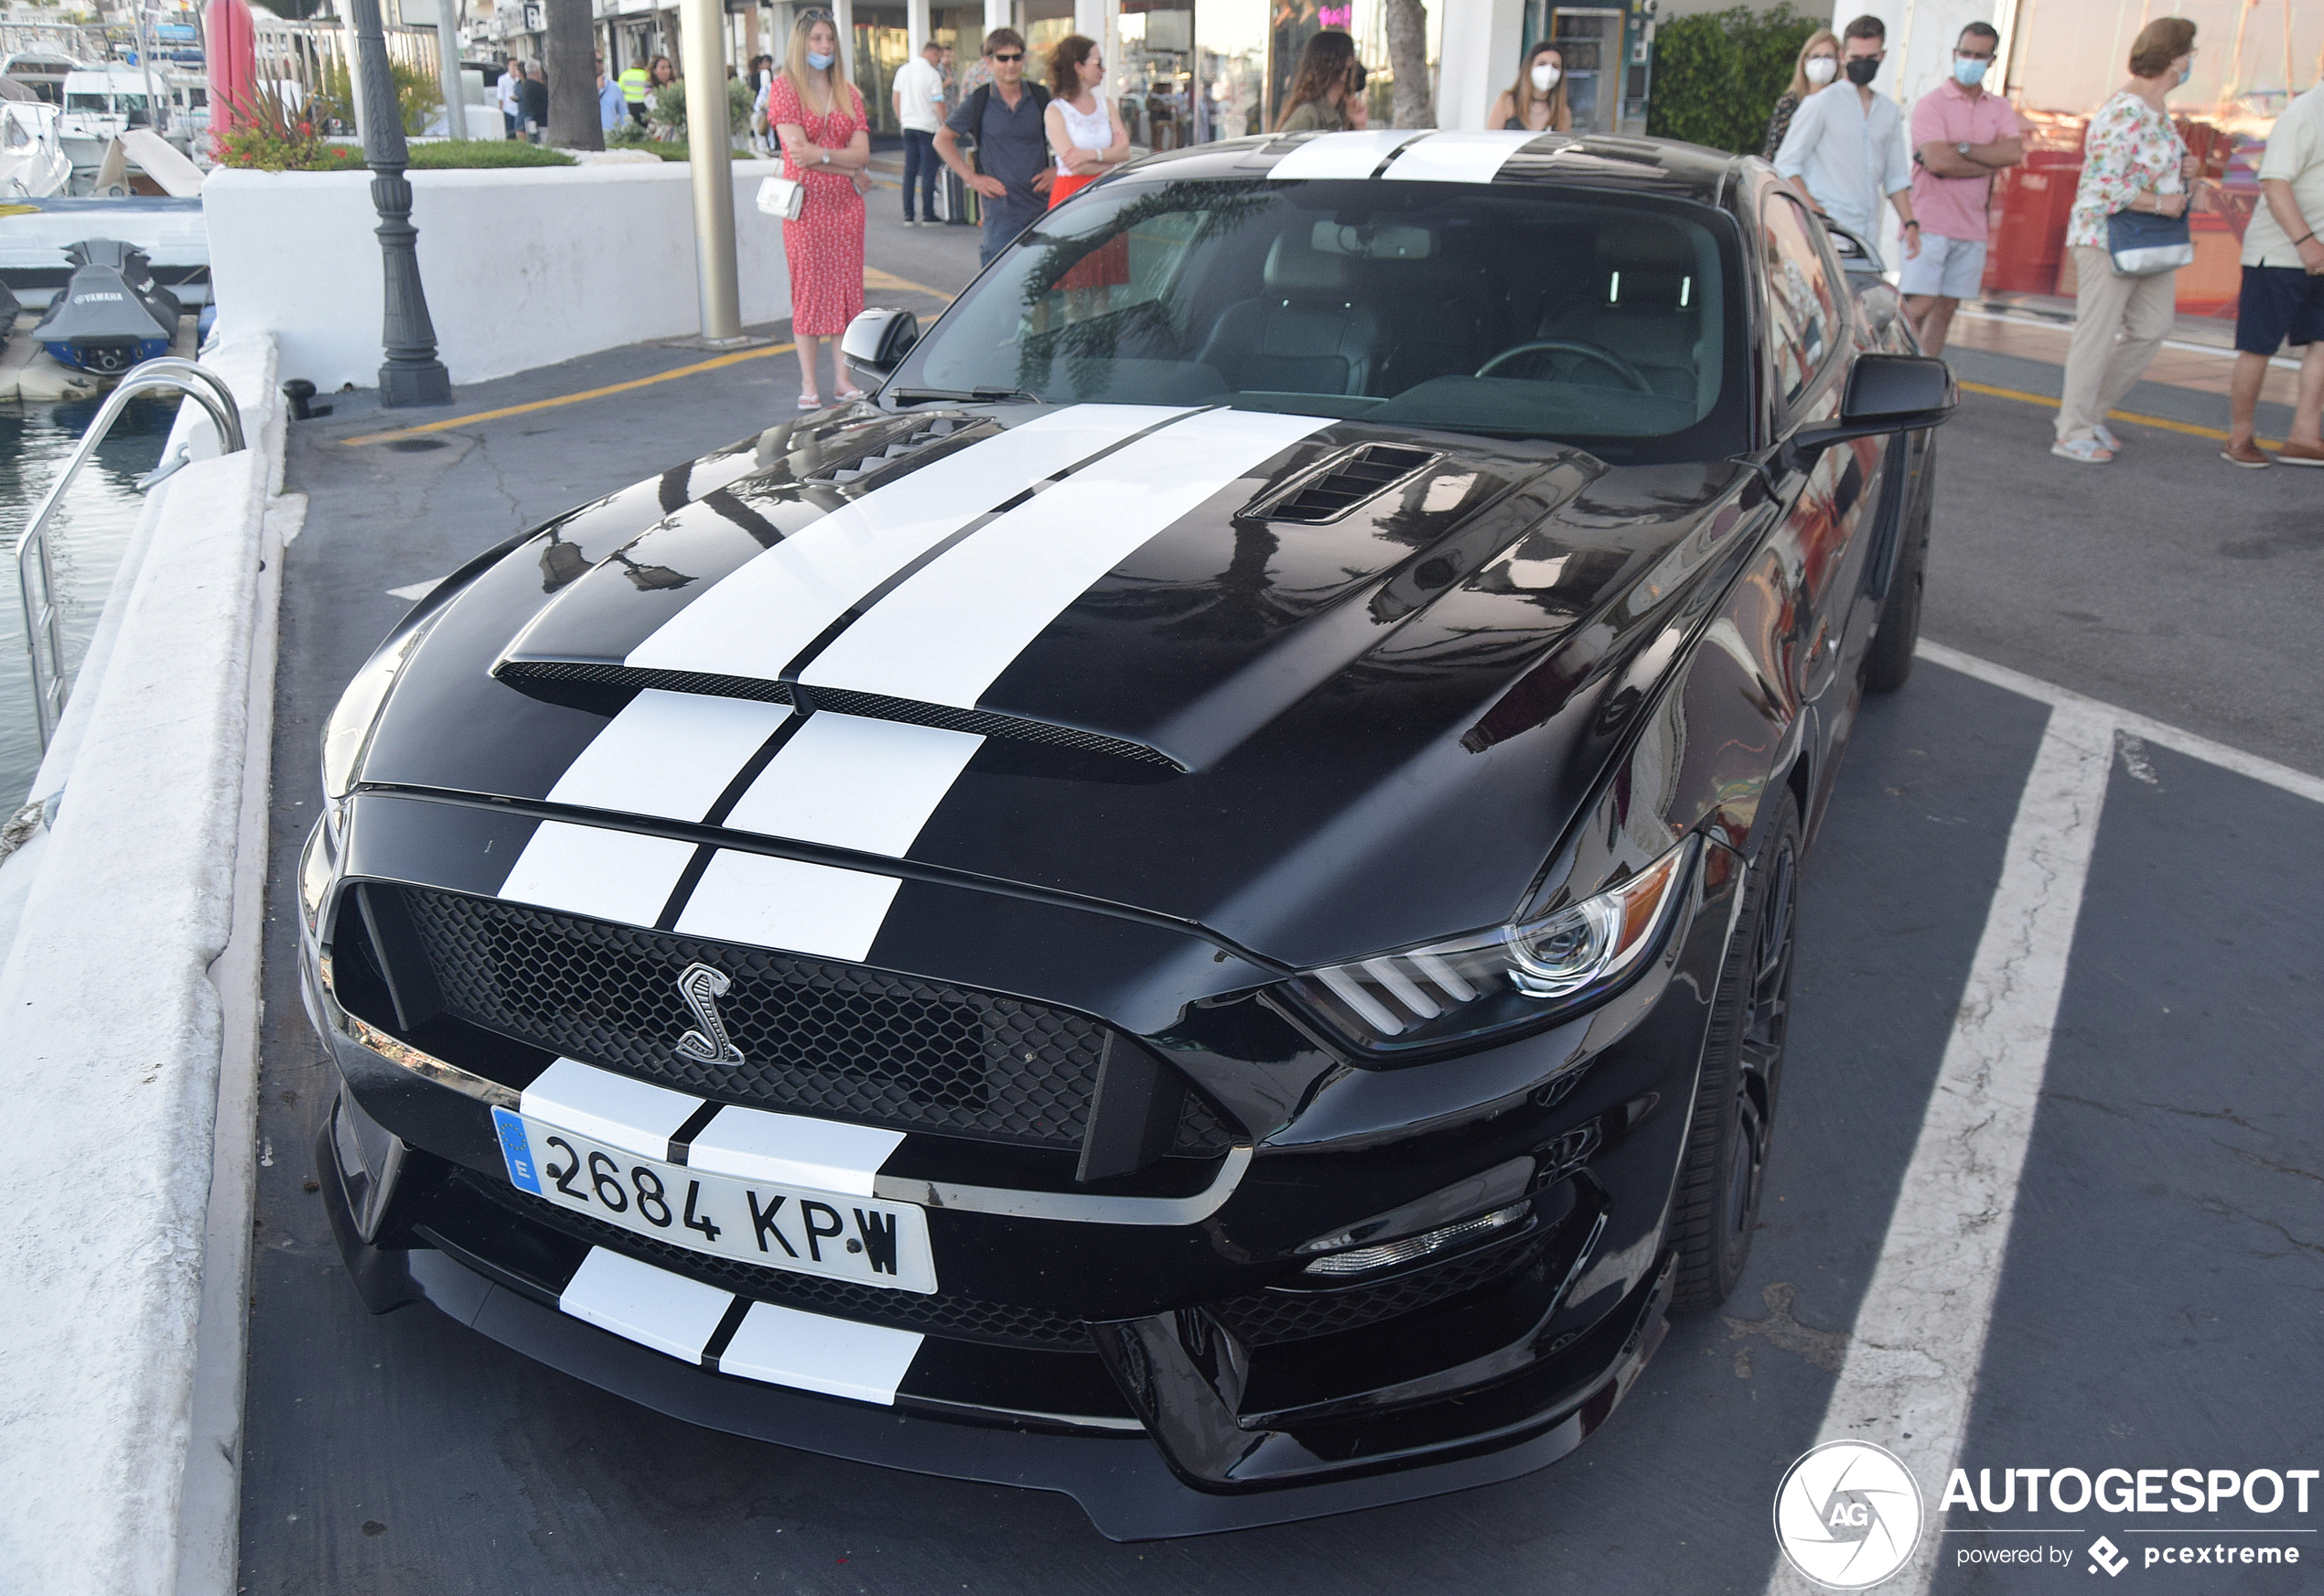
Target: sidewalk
[{"x": 2019, "y": 341}]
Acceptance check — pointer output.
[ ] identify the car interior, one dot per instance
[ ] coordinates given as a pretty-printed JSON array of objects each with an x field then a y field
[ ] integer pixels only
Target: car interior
[{"x": 1507, "y": 312}]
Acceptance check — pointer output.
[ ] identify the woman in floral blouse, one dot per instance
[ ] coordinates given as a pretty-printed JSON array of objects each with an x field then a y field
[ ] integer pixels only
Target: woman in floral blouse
[{"x": 2133, "y": 160}]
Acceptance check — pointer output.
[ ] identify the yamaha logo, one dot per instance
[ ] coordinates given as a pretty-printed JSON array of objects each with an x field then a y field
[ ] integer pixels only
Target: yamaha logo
[
  {"x": 1847, "y": 1515},
  {"x": 702, "y": 986}
]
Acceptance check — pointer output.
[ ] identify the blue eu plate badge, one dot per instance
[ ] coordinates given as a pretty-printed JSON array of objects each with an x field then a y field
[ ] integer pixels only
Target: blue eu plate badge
[{"x": 517, "y": 1149}]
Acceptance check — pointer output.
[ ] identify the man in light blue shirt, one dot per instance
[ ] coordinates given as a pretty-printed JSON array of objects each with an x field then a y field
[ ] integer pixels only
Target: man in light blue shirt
[
  {"x": 1846, "y": 147},
  {"x": 613, "y": 106}
]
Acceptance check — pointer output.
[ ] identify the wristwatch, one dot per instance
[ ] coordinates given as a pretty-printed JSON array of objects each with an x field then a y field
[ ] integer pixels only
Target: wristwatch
[
  {"x": 827, "y": 157},
  {"x": 1962, "y": 149}
]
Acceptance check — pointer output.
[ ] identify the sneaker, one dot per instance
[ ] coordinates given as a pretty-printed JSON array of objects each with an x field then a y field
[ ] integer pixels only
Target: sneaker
[
  {"x": 2248, "y": 455},
  {"x": 2300, "y": 454},
  {"x": 2088, "y": 450},
  {"x": 2106, "y": 438}
]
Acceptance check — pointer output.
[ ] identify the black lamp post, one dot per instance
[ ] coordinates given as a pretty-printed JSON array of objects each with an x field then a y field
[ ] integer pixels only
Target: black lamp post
[{"x": 412, "y": 374}]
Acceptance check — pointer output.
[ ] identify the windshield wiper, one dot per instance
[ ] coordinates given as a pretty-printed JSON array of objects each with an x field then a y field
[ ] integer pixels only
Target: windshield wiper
[{"x": 955, "y": 395}]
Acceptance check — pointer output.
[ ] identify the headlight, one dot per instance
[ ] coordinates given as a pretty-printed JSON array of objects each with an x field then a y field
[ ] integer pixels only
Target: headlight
[
  {"x": 349, "y": 726},
  {"x": 1517, "y": 974}
]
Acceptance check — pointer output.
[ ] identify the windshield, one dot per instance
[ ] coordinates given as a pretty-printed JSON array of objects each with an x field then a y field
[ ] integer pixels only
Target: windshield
[{"x": 1517, "y": 312}]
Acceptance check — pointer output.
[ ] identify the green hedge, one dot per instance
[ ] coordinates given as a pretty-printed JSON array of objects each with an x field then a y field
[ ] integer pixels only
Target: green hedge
[{"x": 1718, "y": 74}]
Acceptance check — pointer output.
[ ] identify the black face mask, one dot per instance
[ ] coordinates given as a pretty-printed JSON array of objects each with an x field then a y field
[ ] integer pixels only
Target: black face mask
[{"x": 1862, "y": 70}]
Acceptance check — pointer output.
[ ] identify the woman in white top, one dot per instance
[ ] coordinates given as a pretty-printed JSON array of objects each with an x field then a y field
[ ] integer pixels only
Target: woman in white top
[{"x": 1085, "y": 130}]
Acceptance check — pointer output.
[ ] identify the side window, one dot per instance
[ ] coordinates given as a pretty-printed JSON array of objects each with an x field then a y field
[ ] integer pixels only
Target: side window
[{"x": 1805, "y": 316}]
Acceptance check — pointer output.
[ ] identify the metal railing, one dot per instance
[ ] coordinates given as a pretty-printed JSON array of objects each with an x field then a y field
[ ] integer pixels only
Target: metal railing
[{"x": 43, "y": 616}]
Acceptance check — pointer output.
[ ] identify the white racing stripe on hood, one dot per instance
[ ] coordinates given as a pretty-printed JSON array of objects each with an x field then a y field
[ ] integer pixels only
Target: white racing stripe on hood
[
  {"x": 945, "y": 634},
  {"x": 818, "y": 910},
  {"x": 593, "y": 871},
  {"x": 755, "y": 621},
  {"x": 849, "y": 783},
  {"x": 1341, "y": 155},
  {"x": 1457, "y": 157},
  {"x": 668, "y": 754}
]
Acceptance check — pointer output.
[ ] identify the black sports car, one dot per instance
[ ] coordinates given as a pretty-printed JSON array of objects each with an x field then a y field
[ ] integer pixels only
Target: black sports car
[{"x": 1193, "y": 904}]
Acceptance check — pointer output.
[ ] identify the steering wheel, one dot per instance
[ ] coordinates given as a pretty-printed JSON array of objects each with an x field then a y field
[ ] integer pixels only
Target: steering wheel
[{"x": 1630, "y": 374}]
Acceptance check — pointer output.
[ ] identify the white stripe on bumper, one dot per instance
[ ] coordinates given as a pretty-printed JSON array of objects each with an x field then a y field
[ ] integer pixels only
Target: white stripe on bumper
[
  {"x": 788, "y": 1149},
  {"x": 947, "y": 634},
  {"x": 782, "y": 1346},
  {"x": 755, "y": 621},
  {"x": 786, "y": 903},
  {"x": 603, "y": 874},
  {"x": 670, "y": 754},
  {"x": 651, "y": 1307},
  {"x": 855, "y": 783},
  {"x": 634, "y": 1116}
]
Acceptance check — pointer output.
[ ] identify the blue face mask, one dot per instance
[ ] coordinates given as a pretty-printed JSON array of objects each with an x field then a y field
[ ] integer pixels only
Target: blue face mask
[
  {"x": 818, "y": 61},
  {"x": 1969, "y": 74}
]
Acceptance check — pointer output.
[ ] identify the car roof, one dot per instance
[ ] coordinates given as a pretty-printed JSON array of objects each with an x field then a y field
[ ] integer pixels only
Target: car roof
[{"x": 1596, "y": 161}]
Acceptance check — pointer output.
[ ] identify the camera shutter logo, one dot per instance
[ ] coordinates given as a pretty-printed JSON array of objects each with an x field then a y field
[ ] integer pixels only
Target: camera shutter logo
[
  {"x": 1848, "y": 1515},
  {"x": 702, "y": 986}
]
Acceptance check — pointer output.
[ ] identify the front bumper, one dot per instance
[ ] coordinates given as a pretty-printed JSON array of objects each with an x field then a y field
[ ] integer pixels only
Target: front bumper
[{"x": 1144, "y": 1358}]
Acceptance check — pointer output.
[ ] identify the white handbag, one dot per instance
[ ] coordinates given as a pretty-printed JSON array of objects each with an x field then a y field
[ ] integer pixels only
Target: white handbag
[{"x": 783, "y": 197}]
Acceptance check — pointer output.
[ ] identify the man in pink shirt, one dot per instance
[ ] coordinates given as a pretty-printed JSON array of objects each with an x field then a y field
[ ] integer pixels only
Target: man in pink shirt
[{"x": 1961, "y": 137}]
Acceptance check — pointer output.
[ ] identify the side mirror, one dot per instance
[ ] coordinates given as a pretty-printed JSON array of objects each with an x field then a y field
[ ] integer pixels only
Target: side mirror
[
  {"x": 1885, "y": 394},
  {"x": 877, "y": 340}
]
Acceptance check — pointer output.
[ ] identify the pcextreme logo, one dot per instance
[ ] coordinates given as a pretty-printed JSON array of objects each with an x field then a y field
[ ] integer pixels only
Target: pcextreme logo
[{"x": 1848, "y": 1515}]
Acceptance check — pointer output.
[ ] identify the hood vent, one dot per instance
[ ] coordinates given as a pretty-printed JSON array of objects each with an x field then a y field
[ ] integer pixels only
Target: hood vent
[
  {"x": 550, "y": 675},
  {"x": 1360, "y": 474},
  {"x": 850, "y": 467}
]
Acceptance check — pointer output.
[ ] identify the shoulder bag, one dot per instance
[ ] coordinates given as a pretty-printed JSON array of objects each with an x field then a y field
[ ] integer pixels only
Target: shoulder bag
[{"x": 2143, "y": 244}]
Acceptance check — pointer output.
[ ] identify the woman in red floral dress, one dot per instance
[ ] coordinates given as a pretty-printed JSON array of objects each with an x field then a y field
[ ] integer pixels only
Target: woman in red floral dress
[{"x": 826, "y": 144}]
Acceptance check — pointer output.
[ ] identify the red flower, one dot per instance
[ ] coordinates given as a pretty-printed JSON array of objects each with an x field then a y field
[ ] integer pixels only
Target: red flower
[{"x": 307, "y": 130}]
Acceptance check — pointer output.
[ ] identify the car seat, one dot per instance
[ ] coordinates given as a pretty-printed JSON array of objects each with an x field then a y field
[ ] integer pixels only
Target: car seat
[{"x": 1307, "y": 335}]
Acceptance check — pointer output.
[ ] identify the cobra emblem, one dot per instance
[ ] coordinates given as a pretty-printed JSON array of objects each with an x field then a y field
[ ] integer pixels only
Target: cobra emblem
[{"x": 702, "y": 986}]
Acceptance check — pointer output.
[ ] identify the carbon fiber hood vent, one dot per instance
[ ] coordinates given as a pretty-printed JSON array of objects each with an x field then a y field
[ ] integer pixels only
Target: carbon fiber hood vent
[{"x": 1356, "y": 476}]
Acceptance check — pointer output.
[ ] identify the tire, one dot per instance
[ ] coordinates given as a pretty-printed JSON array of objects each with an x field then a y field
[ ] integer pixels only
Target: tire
[
  {"x": 1888, "y": 664},
  {"x": 1721, "y": 1173}
]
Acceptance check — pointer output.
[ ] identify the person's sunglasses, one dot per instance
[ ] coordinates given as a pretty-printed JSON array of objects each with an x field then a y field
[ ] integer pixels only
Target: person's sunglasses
[{"x": 1008, "y": 55}]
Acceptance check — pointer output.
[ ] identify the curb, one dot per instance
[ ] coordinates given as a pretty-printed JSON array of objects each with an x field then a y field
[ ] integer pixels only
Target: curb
[{"x": 129, "y": 1000}]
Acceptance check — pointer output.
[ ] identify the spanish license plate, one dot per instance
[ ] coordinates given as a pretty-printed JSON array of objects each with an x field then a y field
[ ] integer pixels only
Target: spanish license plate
[{"x": 870, "y": 1241}]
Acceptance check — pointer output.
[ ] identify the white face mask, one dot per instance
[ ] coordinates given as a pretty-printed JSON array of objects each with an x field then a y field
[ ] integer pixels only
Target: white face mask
[
  {"x": 1821, "y": 69},
  {"x": 1544, "y": 77}
]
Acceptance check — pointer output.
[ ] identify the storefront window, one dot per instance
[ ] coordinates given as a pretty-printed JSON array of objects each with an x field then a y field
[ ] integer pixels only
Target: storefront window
[
  {"x": 1156, "y": 75},
  {"x": 1230, "y": 57},
  {"x": 881, "y": 46}
]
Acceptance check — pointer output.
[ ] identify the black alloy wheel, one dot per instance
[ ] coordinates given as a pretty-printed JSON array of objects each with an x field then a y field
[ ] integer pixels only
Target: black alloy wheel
[
  {"x": 1888, "y": 664},
  {"x": 1724, "y": 1171}
]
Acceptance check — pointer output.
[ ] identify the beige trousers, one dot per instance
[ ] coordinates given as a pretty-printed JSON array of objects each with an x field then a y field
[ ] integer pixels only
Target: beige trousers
[{"x": 2119, "y": 323}]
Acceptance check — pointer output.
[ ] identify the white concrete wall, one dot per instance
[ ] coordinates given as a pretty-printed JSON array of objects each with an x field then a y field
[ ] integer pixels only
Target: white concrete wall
[
  {"x": 1477, "y": 58},
  {"x": 523, "y": 268}
]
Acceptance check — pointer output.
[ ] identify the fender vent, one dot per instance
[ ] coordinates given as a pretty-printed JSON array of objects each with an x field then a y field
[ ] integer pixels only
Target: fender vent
[{"x": 1361, "y": 474}]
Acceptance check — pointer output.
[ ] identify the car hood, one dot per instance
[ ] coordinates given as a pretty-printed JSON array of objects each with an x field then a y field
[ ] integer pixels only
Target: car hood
[{"x": 1319, "y": 687}]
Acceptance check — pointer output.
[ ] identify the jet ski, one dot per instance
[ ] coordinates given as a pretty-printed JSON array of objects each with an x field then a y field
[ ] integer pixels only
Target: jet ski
[{"x": 112, "y": 313}]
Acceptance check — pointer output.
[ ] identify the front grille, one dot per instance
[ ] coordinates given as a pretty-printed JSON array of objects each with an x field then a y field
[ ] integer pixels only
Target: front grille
[
  {"x": 841, "y": 1041},
  {"x": 1268, "y": 1318},
  {"x": 941, "y": 1313}
]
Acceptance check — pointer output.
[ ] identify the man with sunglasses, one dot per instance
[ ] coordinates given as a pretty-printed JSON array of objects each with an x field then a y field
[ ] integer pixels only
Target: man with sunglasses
[
  {"x": 1961, "y": 135},
  {"x": 1012, "y": 171}
]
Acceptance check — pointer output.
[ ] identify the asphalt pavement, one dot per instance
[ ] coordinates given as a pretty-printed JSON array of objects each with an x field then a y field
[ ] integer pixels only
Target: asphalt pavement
[{"x": 2162, "y": 1299}]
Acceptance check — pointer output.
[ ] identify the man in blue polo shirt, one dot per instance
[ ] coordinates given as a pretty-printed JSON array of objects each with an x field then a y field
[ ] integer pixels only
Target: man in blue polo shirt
[{"x": 1012, "y": 173}]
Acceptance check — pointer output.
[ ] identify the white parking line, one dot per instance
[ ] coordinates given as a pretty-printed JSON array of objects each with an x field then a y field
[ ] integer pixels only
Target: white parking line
[{"x": 1911, "y": 1372}]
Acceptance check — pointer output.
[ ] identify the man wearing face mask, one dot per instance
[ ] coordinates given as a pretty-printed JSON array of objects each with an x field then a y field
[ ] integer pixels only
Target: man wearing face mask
[
  {"x": 1961, "y": 135},
  {"x": 1846, "y": 147}
]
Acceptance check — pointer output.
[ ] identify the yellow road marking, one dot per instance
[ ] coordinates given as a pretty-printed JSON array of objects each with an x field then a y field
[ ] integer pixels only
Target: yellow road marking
[
  {"x": 889, "y": 283},
  {"x": 2022, "y": 397},
  {"x": 450, "y": 422}
]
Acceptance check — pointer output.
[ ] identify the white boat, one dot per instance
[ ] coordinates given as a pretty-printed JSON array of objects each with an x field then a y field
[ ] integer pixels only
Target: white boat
[
  {"x": 32, "y": 162},
  {"x": 101, "y": 103},
  {"x": 42, "y": 70}
]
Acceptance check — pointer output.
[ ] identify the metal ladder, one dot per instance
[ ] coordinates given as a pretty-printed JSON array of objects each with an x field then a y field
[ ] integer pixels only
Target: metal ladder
[{"x": 43, "y": 630}]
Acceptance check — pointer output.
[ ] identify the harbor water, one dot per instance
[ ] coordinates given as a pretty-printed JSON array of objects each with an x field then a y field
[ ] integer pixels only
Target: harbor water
[{"x": 87, "y": 535}]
